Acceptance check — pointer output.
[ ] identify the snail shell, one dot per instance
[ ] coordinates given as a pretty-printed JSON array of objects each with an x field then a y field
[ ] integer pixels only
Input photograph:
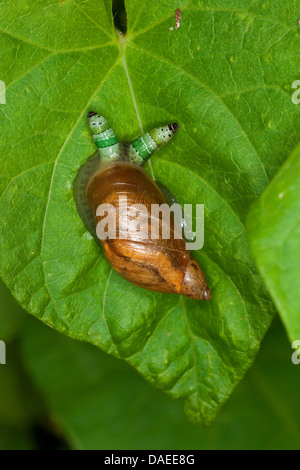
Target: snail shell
[{"x": 161, "y": 265}]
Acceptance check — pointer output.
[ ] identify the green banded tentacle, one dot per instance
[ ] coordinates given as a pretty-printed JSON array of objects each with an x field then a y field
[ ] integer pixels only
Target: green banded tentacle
[
  {"x": 143, "y": 147},
  {"x": 104, "y": 137},
  {"x": 138, "y": 151}
]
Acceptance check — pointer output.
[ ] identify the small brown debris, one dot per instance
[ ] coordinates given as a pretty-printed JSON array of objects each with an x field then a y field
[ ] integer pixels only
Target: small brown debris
[{"x": 177, "y": 18}]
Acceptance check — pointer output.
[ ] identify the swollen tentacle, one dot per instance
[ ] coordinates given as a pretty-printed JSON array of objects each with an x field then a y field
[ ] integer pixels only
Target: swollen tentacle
[
  {"x": 108, "y": 145},
  {"x": 141, "y": 149}
]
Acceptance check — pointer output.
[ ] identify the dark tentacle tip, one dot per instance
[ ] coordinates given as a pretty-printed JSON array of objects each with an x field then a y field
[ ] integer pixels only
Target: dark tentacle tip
[
  {"x": 91, "y": 113},
  {"x": 173, "y": 127}
]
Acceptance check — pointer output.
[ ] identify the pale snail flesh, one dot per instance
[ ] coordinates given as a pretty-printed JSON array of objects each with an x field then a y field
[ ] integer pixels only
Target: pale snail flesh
[{"x": 161, "y": 265}]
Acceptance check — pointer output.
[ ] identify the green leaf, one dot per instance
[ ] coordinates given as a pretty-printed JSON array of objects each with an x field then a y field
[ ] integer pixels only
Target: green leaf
[
  {"x": 274, "y": 230},
  {"x": 225, "y": 76},
  {"x": 98, "y": 402},
  {"x": 19, "y": 404}
]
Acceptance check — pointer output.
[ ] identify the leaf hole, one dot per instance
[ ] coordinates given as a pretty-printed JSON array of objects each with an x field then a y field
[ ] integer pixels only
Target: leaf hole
[{"x": 119, "y": 15}]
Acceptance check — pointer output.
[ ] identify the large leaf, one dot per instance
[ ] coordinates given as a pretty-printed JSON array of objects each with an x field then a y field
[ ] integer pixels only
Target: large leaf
[
  {"x": 225, "y": 76},
  {"x": 274, "y": 229},
  {"x": 98, "y": 402}
]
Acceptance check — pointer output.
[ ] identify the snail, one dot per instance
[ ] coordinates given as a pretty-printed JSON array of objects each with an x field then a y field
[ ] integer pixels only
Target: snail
[{"x": 161, "y": 265}]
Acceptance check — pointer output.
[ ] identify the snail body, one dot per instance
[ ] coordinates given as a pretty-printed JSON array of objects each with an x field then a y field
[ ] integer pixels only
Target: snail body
[{"x": 161, "y": 265}]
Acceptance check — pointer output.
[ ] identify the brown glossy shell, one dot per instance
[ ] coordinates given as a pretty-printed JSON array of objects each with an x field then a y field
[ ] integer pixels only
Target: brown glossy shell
[{"x": 160, "y": 265}]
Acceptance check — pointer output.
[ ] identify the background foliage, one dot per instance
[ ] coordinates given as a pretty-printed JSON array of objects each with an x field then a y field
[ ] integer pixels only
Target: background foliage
[{"x": 225, "y": 76}]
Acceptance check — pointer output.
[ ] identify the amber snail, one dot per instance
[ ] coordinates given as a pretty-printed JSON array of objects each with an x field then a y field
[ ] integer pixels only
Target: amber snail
[{"x": 161, "y": 265}]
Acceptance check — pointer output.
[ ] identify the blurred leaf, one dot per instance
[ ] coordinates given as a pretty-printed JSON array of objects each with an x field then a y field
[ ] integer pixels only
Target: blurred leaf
[
  {"x": 20, "y": 406},
  {"x": 101, "y": 403},
  {"x": 24, "y": 422},
  {"x": 11, "y": 314},
  {"x": 12, "y": 408},
  {"x": 21, "y": 409},
  {"x": 61, "y": 59},
  {"x": 274, "y": 230},
  {"x": 14, "y": 413},
  {"x": 15, "y": 439}
]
